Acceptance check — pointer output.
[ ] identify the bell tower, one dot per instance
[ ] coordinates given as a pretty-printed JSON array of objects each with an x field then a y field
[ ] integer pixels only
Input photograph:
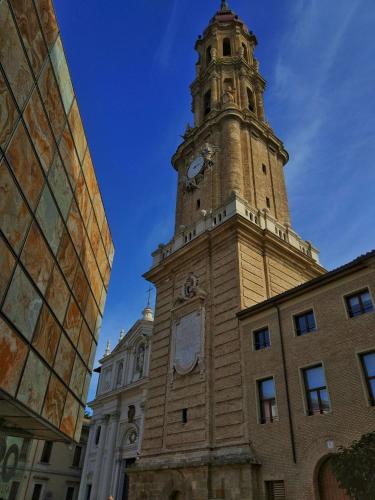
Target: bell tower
[
  {"x": 233, "y": 247},
  {"x": 229, "y": 128}
]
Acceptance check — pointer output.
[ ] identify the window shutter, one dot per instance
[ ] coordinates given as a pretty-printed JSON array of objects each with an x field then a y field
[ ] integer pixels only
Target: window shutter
[{"x": 275, "y": 490}]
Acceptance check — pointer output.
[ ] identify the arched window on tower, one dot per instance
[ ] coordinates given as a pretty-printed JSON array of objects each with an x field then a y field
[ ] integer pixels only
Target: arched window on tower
[
  {"x": 245, "y": 52},
  {"x": 227, "y": 51},
  {"x": 250, "y": 100},
  {"x": 208, "y": 55},
  {"x": 207, "y": 102}
]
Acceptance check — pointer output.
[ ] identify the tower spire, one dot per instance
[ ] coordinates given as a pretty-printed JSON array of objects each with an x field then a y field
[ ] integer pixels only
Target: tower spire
[
  {"x": 224, "y": 5},
  {"x": 147, "y": 313}
]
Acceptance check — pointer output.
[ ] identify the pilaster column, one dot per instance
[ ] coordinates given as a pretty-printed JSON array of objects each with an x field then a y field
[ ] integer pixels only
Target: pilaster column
[
  {"x": 106, "y": 473},
  {"x": 214, "y": 90},
  {"x": 89, "y": 445},
  {"x": 97, "y": 473},
  {"x": 231, "y": 163},
  {"x": 115, "y": 477},
  {"x": 243, "y": 89},
  {"x": 260, "y": 103}
]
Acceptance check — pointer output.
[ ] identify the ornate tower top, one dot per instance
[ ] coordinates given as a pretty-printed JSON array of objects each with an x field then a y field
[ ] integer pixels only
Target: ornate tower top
[{"x": 231, "y": 152}]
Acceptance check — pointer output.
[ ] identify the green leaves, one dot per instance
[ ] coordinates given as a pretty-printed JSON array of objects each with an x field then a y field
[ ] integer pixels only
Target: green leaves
[{"x": 354, "y": 467}]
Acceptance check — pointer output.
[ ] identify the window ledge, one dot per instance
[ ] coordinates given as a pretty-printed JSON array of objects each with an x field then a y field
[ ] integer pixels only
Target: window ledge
[
  {"x": 301, "y": 335},
  {"x": 361, "y": 315},
  {"x": 325, "y": 414}
]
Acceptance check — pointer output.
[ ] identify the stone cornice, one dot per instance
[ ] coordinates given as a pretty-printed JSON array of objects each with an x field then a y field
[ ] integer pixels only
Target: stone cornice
[
  {"x": 238, "y": 62},
  {"x": 236, "y": 219}
]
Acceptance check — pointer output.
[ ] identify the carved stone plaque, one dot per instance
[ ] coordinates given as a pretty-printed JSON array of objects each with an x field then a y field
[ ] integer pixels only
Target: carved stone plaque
[{"x": 187, "y": 342}]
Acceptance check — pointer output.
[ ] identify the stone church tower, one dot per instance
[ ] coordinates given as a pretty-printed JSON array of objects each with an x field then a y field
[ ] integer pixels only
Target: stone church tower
[{"x": 233, "y": 247}]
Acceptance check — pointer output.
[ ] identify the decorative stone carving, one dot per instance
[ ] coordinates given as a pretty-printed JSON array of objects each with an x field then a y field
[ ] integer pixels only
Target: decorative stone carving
[
  {"x": 190, "y": 184},
  {"x": 187, "y": 342},
  {"x": 228, "y": 96},
  {"x": 214, "y": 53},
  {"x": 208, "y": 152},
  {"x": 131, "y": 437},
  {"x": 190, "y": 289}
]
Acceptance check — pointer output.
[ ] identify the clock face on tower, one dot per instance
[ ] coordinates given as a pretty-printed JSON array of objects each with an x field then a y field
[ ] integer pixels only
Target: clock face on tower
[{"x": 195, "y": 167}]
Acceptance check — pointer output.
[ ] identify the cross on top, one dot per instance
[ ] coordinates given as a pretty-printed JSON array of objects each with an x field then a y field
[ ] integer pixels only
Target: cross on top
[{"x": 149, "y": 295}]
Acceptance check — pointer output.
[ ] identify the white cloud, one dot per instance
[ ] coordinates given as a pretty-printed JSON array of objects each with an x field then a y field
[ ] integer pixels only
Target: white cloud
[{"x": 163, "y": 52}]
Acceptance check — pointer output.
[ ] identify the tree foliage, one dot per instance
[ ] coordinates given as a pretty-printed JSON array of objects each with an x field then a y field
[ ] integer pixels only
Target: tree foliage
[{"x": 354, "y": 468}]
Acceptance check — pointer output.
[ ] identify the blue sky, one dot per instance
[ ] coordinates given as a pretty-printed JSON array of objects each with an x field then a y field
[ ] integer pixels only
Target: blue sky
[{"x": 132, "y": 63}]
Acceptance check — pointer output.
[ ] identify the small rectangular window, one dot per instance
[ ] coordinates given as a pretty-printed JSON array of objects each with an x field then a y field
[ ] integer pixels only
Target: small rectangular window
[
  {"x": 88, "y": 492},
  {"x": 305, "y": 323},
  {"x": 25, "y": 449},
  {"x": 275, "y": 490},
  {"x": 77, "y": 456},
  {"x": 184, "y": 416},
  {"x": 368, "y": 365},
  {"x": 261, "y": 339},
  {"x": 268, "y": 203},
  {"x": 359, "y": 303},
  {"x": 264, "y": 168},
  {"x": 37, "y": 491},
  {"x": 267, "y": 400},
  {"x": 316, "y": 390},
  {"x": 46, "y": 453},
  {"x": 69, "y": 493},
  {"x": 198, "y": 204}
]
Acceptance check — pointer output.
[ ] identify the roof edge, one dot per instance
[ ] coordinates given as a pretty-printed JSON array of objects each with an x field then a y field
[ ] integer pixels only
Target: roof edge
[{"x": 359, "y": 262}]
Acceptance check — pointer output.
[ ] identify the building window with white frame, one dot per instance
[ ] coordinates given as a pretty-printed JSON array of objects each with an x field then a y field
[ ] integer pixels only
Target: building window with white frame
[
  {"x": 261, "y": 339},
  {"x": 316, "y": 390},
  {"x": 305, "y": 323},
  {"x": 267, "y": 400},
  {"x": 368, "y": 366},
  {"x": 359, "y": 303}
]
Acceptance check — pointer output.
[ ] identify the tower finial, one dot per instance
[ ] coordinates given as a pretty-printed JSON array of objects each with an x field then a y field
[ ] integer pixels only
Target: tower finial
[
  {"x": 108, "y": 349},
  {"x": 149, "y": 295},
  {"x": 224, "y": 5},
  {"x": 147, "y": 313}
]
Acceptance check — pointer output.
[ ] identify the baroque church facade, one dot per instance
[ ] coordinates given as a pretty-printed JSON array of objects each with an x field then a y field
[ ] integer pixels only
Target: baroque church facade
[{"x": 118, "y": 412}]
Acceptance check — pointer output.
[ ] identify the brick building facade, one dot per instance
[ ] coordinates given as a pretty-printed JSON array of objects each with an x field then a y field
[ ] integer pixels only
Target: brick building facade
[{"x": 313, "y": 350}]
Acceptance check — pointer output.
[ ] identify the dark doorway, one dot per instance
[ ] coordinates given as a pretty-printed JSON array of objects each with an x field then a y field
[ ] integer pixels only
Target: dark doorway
[{"x": 125, "y": 490}]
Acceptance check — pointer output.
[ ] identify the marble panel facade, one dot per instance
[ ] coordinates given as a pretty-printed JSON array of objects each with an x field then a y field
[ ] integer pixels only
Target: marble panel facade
[{"x": 56, "y": 249}]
